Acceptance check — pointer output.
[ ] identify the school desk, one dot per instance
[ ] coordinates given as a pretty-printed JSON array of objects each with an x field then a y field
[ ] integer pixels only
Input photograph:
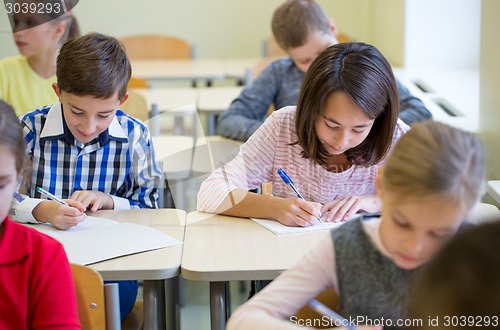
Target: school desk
[
  {"x": 494, "y": 189},
  {"x": 219, "y": 249},
  {"x": 176, "y": 155},
  {"x": 214, "y": 100},
  {"x": 452, "y": 96},
  {"x": 158, "y": 269},
  {"x": 175, "y": 102},
  {"x": 187, "y": 69}
]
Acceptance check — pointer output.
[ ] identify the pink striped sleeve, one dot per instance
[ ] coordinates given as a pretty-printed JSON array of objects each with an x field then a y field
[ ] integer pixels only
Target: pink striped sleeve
[{"x": 251, "y": 167}]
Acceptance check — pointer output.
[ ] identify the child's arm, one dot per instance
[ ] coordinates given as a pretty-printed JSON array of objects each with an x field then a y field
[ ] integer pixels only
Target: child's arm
[
  {"x": 275, "y": 305},
  {"x": 145, "y": 176},
  {"x": 288, "y": 211},
  {"x": 412, "y": 109},
  {"x": 248, "y": 111}
]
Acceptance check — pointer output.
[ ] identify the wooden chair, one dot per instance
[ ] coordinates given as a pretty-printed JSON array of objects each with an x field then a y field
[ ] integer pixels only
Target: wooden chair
[
  {"x": 98, "y": 303},
  {"x": 136, "y": 82},
  {"x": 136, "y": 106},
  {"x": 329, "y": 298},
  {"x": 155, "y": 47},
  {"x": 94, "y": 310}
]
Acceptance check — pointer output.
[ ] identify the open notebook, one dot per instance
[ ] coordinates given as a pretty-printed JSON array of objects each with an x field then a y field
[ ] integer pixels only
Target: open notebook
[
  {"x": 97, "y": 239},
  {"x": 280, "y": 229}
]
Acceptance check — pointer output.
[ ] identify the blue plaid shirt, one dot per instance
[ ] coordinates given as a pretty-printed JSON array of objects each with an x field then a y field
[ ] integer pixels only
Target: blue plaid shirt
[{"x": 119, "y": 162}]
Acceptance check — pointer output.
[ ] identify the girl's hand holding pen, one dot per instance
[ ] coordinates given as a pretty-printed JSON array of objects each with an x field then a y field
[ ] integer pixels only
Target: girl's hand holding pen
[{"x": 296, "y": 212}]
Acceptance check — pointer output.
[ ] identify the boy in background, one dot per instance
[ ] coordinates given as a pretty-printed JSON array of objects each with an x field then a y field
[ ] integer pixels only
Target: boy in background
[
  {"x": 84, "y": 149},
  {"x": 303, "y": 30}
]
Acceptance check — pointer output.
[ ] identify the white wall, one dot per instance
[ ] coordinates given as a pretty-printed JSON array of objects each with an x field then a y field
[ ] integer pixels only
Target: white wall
[
  {"x": 490, "y": 86},
  {"x": 218, "y": 28},
  {"x": 442, "y": 34}
]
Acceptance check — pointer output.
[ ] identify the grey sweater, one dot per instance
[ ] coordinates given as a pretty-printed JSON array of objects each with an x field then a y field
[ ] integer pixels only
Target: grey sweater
[{"x": 370, "y": 284}]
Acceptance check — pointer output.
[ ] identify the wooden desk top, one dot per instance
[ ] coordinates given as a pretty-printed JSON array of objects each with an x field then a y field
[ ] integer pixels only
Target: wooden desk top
[
  {"x": 176, "y": 154},
  {"x": 217, "y": 99},
  {"x": 222, "y": 248},
  {"x": 212, "y": 69},
  {"x": 150, "y": 265}
]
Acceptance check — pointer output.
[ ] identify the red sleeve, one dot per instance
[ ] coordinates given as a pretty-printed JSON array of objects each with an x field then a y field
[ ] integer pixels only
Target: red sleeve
[{"x": 52, "y": 298}]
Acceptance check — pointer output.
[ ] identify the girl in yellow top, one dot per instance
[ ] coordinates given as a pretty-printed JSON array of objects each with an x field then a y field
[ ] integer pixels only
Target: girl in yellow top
[{"x": 26, "y": 80}]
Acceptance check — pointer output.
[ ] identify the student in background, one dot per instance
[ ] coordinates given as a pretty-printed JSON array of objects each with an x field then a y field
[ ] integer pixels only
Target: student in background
[
  {"x": 331, "y": 145},
  {"x": 83, "y": 148},
  {"x": 459, "y": 288},
  {"x": 37, "y": 290},
  {"x": 303, "y": 30},
  {"x": 430, "y": 182},
  {"x": 26, "y": 80}
]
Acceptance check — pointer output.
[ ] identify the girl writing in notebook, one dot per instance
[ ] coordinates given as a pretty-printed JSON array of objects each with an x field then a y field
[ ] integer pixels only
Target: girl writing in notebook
[
  {"x": 37, "y": 287},
  {"x": 331, "y": 145},
  {"x": 26, "y": 80},
  {"x": 430, "y": 182}
]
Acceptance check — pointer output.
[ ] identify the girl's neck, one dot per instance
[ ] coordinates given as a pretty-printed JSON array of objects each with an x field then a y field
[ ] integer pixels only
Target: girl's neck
[
  {"x": 337, "y": 163},
  {"x": 44, "y": 64}
]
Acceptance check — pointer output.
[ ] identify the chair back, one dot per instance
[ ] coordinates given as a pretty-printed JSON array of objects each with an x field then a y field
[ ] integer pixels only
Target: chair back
[
  {"x": 90, "y": 297},
  {"x": 136, "y": 106},
  {"x": 156, "y": 47}
]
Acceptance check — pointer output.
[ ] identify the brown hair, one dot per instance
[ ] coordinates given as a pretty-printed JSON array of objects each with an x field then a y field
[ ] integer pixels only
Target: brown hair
[
  {"x": 295, "y": 20},
  {"x": 12, "y": 134},
  {"x": 54, "y": 16},
  {"x": 362, "y": 72},
  {"x": 460, "y": 285},
  {"x": 95, "y": 65},
  {"x": 436, "y": 160}
]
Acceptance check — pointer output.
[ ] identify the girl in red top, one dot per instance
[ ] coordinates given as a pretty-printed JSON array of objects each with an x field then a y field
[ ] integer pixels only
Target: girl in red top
[{"x": 36, "y": 286}]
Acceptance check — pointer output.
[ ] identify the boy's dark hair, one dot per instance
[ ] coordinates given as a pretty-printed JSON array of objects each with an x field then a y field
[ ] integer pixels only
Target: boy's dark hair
[
  {"x": 295, "y": 20},
  {"x": 363, "y": 73},
  {"x": 12, "y": 134},
  {"x": 95, "y": 65},
  {"x": 462, "y": 282}
]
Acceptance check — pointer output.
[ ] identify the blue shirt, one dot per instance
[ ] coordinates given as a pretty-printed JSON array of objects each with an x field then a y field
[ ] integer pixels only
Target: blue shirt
[
  {"x": 279, "y": 85},
  {"x": 119, "y": 162}
]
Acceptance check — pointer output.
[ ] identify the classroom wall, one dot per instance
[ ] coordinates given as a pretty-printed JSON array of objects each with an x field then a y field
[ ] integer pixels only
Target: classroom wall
[
  {"x": 490, "y": 86},
  {"x": 218, "y": 28},
  {"x": 442, "y": 34}
]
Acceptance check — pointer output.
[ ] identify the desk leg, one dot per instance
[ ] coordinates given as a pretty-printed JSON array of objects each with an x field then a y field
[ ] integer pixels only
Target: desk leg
[
  {"x": 218, "y": 314},
  {"x": 154, "y": 305},
  {"x": 172, "y": 303},
  {"x": 211, "y": 124}
]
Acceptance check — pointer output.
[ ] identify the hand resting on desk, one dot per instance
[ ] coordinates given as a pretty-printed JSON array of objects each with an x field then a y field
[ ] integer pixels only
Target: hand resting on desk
[{"x": 345, "y": 208}]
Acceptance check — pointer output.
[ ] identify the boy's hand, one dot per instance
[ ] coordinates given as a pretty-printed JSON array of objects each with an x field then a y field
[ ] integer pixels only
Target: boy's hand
[
  {"x": 60, "y": 216},
  {"x": 93, "y": 200},
  {"x": 295, "y": 212},
  {"x": 343, "y": 209}
]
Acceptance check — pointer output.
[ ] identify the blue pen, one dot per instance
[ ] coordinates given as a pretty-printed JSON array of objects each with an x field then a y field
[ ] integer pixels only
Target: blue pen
[
  {"x": 324, "y": 310},
  {"x": 289, "y": 182}
]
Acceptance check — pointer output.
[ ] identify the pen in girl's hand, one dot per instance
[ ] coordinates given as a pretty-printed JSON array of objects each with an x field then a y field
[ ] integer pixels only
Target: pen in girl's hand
[
  {"x": 289, "y": 182},
  {"x": 324, "y": 310},
  {"x": 51, "y": 196}
]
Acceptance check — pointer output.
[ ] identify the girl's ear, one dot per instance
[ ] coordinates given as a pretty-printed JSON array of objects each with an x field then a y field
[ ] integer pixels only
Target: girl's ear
[{"x": 378, "y": 182}]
